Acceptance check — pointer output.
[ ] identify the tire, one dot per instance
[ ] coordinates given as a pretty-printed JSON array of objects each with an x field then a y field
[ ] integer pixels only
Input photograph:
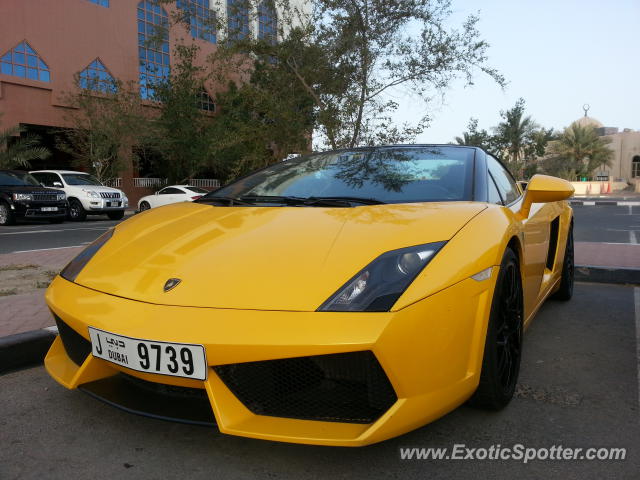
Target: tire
[
  {"x": 119, "y": 215},
  {"x": 77, "y": 212},
  {"x": 6, "y": 215},
  {"x": 565, "y": 292},
  {"x": 144, "y": 206},
  {"x": 503, "y": 343}
]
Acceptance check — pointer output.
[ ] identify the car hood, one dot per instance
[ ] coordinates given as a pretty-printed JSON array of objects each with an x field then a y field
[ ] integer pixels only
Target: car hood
[
  {"x": 95, "y": 188},
  {"x": 266, "y": 258}
]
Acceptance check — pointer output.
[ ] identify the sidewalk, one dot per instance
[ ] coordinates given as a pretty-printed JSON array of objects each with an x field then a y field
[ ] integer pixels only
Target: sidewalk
[{"x": 26, "y": 312}]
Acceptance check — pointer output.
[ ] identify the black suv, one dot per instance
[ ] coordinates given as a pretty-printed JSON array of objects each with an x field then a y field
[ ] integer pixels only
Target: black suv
[{"x": 21, "y": 196}]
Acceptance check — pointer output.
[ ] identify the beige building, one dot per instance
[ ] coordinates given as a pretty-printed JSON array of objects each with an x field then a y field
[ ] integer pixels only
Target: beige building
[{"x": 625, "y": 165}]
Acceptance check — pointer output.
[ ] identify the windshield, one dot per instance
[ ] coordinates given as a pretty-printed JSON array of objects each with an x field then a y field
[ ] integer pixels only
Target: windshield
[
  {"x": 80, "y": 179},
  {"x": 386, "y": 175},
  {"x": 17, "y": 179}
]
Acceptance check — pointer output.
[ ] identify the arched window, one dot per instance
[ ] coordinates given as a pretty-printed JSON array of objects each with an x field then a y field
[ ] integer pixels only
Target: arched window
[
  {"x": 153, "y": 46},
  {"x": 205, "y": 102},
  {"x": 102, "y": 3},
  {"x": 201, "y": 19},
  {"x": 23, "y": 61},
  {"x": 238, "y": 19},
  {"x": 267, "y": 22},
  {"x": 635, "y": 167},
  {"x": 97, "y": 77}
]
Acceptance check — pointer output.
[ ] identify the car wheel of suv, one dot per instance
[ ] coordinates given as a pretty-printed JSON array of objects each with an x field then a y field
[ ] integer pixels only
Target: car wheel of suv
[
  {"x": 116, "y": 215},
  {"x": 144, "y": 206},
  {"x": 76, "y": 211},
  {"x": 6, "y": 215}
]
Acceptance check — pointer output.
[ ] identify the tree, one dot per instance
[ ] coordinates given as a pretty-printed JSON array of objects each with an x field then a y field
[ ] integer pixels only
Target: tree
[
  {"x": 578, "y": 151},
  {"x": 181, "y": 132},
  {"x": 17, "y": 151},
  {"x": 105, "y": 124},
  {"x": 474, "y": 137},
  {"x": 351, "y": 58},
  {"x": 519, "y": 141}
]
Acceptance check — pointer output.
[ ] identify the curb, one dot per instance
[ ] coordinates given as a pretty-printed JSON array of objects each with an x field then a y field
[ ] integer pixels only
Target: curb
[
  {"x": 25, "y": 349},
  {"x": 617, "y": 275},
  {"x": 610, "y": 203}
]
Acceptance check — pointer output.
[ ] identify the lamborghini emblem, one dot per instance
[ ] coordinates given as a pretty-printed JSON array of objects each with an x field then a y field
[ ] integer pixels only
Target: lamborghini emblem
[{"x": 171, "y": 284}]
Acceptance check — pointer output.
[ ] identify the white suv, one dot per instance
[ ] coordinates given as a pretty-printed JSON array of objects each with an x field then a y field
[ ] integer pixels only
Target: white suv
[{"x": 86, "y": 195}]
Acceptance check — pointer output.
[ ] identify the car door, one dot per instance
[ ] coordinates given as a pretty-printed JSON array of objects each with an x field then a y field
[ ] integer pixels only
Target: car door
[
  {"x": 536, "y": 233},
  {"x": 170, "y": 195}
]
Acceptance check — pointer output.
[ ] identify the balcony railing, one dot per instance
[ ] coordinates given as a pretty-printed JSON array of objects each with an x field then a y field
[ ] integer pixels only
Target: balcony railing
[
  {"x": 113, "y": 182},
  {"x": 204, "y": 182},
  {"x": 149, "y": 182}
]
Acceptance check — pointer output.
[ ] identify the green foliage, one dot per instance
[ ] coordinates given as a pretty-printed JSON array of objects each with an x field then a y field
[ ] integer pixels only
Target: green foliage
[
  {"x": 104, "y": 126},
  {"x": 349, "y": 60},
  {"x": 517, "y": 140},
  {"x": 181, "y": 133},
  {"x": 475, "y": 137},
  {"x": 17, "y": 151},
  {"x": 578, "y": 151}
]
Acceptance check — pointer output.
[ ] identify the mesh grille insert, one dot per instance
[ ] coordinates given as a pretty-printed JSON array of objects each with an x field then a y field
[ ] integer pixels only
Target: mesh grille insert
[{"x": 344, "y": 387}]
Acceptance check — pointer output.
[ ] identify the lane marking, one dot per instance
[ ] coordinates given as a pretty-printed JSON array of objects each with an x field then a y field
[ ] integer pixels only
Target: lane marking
[
  {"x": 51, "y": 231},
  {"x": 45, "y": 249},
  {"x": 632, "y": 236},
  {"x": 636, "y": 296}
]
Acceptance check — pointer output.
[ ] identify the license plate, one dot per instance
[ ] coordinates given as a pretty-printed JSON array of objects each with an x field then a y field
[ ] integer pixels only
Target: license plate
[
  {"x": 49, "y": 209},
  {"x": 164, "y": 358}
]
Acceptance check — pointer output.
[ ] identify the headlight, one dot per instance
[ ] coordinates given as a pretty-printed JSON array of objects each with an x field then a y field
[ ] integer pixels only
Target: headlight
[
  {"x": 91, "y": 193},
  {"x": 376, "y": 287},
  {"x": 62, "y": 196},
  {"x": 22, "y": 196},
  {"x": 75, "y": 266},
  {"x": 125, "y": 201}
]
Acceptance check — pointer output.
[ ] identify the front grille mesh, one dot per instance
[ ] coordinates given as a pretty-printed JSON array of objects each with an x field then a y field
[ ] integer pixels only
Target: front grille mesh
[
  {"x": 77, "y": 347},
  {"x": 45, "y": 197},
  {"x": 109, "y": 194},
  {"x": 344, "y": 387}
]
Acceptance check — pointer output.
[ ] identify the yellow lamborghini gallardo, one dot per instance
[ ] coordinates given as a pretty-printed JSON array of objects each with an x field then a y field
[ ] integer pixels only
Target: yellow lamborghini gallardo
[{"x": 339, "y": 298}]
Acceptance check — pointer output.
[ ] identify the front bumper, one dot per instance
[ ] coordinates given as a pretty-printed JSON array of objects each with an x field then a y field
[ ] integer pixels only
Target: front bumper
[
  {"x": 100, "y": 205},
  {"x": 34, "y": 209},
  {"x": 429, "y": 352}
]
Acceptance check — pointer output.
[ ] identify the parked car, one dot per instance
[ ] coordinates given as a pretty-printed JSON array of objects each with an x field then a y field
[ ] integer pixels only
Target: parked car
[
  {"x": 171, "y": 194},
  {"x": 85, "y": 193},
  {"x": 21, "y": 196},
  {"x": 339, "y": 298}
]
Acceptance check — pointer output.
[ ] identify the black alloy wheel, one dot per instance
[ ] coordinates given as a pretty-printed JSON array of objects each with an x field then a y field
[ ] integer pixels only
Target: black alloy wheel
[{"x": 503, "y": 344}]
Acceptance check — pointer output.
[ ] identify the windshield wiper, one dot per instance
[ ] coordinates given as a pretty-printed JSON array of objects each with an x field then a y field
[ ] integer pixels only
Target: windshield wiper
[
  {"x": 343, "y": 200},
  {"x": 231, "y": 200}
]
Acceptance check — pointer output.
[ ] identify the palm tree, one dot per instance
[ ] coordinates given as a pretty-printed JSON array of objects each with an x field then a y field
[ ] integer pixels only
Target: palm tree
[
  {"x": 578, "y": 151},
  {"x": 474, "y": 137},
  {"x": 514, "y": 136},
  {"x": 18, "y": 151}
]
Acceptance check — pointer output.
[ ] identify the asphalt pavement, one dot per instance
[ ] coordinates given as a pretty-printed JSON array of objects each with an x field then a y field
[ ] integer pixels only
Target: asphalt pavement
[
  {"x": 578, "y": 388},
  {"x": 42, "y": 236},
  {"x": 609, "y": 224}
]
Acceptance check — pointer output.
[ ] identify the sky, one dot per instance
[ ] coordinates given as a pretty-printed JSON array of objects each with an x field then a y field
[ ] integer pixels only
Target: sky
[{"x": 557, "y": 55}]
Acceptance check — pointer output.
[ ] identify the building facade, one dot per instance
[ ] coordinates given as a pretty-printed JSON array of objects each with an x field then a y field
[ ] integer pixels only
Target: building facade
[
  {"x": 45, "y": 45},
  {"x": 625, "y": 144}
]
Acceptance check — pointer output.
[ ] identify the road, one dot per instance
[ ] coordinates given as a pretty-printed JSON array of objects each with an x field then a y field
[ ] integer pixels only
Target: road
[
  {"x": 592, "y": 224},
  {"x": 41, "y": 236},
  {"x": 578, "y": 388}
]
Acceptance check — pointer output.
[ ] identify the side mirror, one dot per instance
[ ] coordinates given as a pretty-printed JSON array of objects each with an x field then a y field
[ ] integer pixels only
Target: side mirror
[
  {"x": 544, "y": 189},
  {"x": 57, "y": 184}
]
